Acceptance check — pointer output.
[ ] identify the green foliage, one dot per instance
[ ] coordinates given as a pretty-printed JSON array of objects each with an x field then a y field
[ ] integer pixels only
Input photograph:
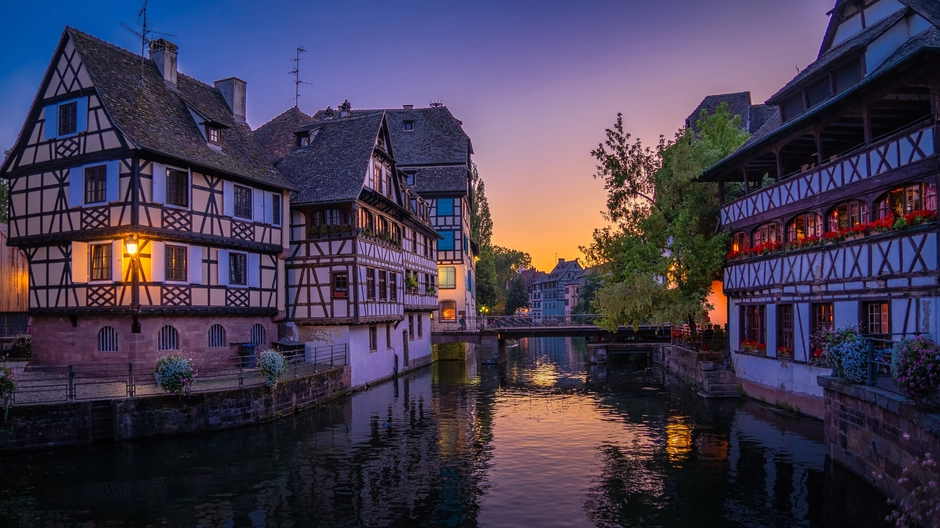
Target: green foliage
[
  {"x": 7, "y": 383},
  {"x": 272, "y": 365},
  {"x": 174, "y": 374},
  {"x": 662, "y": 254},
  {"x": 488, "y": 290},
  {"x": 915, "y": 366},
  {"x": 22, "y": 347},
  {"x": 847, "y": 351},
  {"x": 517, "y": 297},
  {"x": 587, "y": 295},
  {"x": 481, "y": 223}
]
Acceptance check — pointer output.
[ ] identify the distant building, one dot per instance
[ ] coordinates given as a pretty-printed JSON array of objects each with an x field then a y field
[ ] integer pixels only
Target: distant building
[
  {"x": 14, "y": 288},
  {"x": 550, "y": 289},
  {"x": 739, "y": 104}
]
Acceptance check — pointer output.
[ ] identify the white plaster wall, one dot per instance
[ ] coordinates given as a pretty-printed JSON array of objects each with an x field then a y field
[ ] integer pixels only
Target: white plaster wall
[
  {"x": 421, "y": 346},
  {"x": 845, "y": 314},
  {"x": 782, "y": 375},
  {"x": 734, "y": 326},
  {"x": 771, "y": 336}
]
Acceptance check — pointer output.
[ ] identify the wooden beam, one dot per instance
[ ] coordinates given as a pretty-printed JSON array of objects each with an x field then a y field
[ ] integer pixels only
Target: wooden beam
[{"x": 866, "y": 125}]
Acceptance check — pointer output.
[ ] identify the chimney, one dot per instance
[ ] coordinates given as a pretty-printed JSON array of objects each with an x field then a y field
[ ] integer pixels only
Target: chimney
[
  {"x": 233, "y": 91},
  {"x": 408, "y": 107},
  {"x": 163, "y": 53},
  {"x": 345, "y": 108},
  {"x": 561, "y": 260}
]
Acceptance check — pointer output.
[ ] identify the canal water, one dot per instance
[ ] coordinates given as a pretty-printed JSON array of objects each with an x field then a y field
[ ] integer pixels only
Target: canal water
[{"x": 540, "y": 440}]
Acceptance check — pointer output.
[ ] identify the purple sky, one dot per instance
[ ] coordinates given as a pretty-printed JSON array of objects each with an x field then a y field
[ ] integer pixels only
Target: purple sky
[{"x": 534, "y": 82}]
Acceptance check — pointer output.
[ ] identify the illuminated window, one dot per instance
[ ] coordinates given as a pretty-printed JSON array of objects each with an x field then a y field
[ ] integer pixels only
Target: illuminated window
[
  {"x": 100, "y": 262},
  {"x": 447, "y": 278},
  {"x": 906, "y": 199},
  {"x": 876, "y": 317},
  {"x": 449, "y": 310},
  {"x": 848, "y": 215},
  {"x": 765, "y": 233},
  {"x": 804, "y": 226}
]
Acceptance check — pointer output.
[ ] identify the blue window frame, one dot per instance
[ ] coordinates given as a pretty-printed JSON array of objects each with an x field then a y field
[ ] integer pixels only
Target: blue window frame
[
  {"x": 72, "y": 121},
  {"x": 447, "y": 243},
  {"x": 445, "y": 206},
  {"x": 469, "y": 281}
]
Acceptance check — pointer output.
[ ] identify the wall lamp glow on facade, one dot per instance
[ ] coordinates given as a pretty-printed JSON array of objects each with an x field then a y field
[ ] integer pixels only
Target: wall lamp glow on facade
[{"x": 132, "y": 244}]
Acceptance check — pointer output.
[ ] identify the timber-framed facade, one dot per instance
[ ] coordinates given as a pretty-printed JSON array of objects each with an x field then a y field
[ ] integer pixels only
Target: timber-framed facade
[
  {"x": 836, "y": 226},
  {"x": 151, "y": 222}
]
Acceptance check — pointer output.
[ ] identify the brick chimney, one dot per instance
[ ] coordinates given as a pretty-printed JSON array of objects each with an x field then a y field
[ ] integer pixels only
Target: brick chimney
[
  {"x": 233, "y": 91},
  {"x": 164, "y": 53}
]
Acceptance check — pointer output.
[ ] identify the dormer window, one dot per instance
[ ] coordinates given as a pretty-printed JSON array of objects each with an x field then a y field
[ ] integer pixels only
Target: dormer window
[
  {"x": 214, "y": 134},
  {"x": 408, "y": 126},
  {"x": 303, "y": 139},
  {"x": 381, "y": 143}
]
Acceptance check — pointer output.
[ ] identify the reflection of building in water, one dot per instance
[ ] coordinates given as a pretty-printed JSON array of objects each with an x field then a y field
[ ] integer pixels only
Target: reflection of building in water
[{"x": 678, "y": 439}]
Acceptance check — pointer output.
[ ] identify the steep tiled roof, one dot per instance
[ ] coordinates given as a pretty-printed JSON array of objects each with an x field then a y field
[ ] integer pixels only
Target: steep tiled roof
[
  {"x": 441, "y": 179},
  {"x": 276, "y": 137},
  {"x": 155, "y": 117},
  {"x": 739, "y": 104},
  {"x": 333, "y": 167}
]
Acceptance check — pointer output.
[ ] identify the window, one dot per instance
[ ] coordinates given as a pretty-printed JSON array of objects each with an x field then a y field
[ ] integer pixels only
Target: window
[
  {"x": 785, "y": 330},
  {"x": 388, "y": 335},
  {"x": 821, "y": 322},
  {"x": 876, "y": 318},
  {"x": 383, "y": 285},
  {"x": 447, "y": 278},
  {"x": 428, "y": 248},
  {"x": 175, "y": 257},
  {"x": 303, "y": 139},
  {"x": 765, "y": 233},
  {"x": 420, "y": 331},
  {"x": 242, "y": 202},
  {"x": 408, "y": 126},
  {"x": 68, "y": 118},
  {"x": 393, "y": 287},
  {"x": 96, "y": 180},
  {"x": 848, "y": 75},
  {"x": 411, "y": 328},
  {"x": 414, "y": 240},
  {"x": 848, "y": 215},
  {"x": 216, "y": 336},
  {"x": 168, "y": 339},
  {"x": 340, "y": 284},
  {"x": 739, "y": 241},
  {"x": 177, "y": 187},
  {"x": 428, "y": 283},
  {"x": 449, "y": 310},
  {"x": 754, "y": 325},
  {"x": 804, "y": 226},
  {"x": 445, "y": 206},
  {"x": 907, "y": 199},
  {"x": 100, "y": 262},
  {"x": 410, "y": 178},
  {"x": 257, "y": 334},
  {"x": 214, "y": 134},
  {"x": 817, "y": 92},
  {"x": 470, "y": 281},
  {"x": 276, "y": 209},
  {"x": 238, "y": 269},
  {"x": 377, "y": 177},
  {"x": 107, "y": 340},
  {"x": 448, "y": 242},
  {"x": 370, "y": 284},
  {"x": 373, "y": 338}
]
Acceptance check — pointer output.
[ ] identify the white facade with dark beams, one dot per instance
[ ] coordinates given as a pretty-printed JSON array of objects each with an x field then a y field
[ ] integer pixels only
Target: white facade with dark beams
[
  {"x": 150, "y": 219},
  {"x": 360, "y": 270},
  {"x": 837, "y": 223}
]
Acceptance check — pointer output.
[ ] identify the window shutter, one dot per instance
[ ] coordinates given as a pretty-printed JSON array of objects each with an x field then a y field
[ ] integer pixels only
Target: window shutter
[
  {"x": 79, "y": 262},
  {"x": 254, "y": 270},
  {"x": 159, "y": 183},
  {"x": 112, "y": 186},
  {"x": 52, "y": 121},
  {"x": 81, "y": 114},
  {"x": 228, "y": 198},
  {"x": 257, "y": 205},
  {"x": 117, "y": 261},
  {"x": 223, "y": 267},
  {"x": 269, "y": 208},
  {"x": 195, "y": 264},
  {"x": 76, "y": 187},
  {"x": 157, "y": 261}
]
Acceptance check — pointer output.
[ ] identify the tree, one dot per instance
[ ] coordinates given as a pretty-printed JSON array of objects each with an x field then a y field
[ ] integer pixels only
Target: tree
[
  {"x": 587, "y": 294},
  {"x": 4, "y": 185},
  {"x": 488, "y": 290},
  {"x": 481, "y": 223},
  {"x": 517, "y": 297},
  {"x": 662, "y": 253}
]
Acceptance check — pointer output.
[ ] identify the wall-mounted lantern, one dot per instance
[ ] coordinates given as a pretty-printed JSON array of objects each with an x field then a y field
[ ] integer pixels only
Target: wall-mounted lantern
[{"x": 131, "y": 244}]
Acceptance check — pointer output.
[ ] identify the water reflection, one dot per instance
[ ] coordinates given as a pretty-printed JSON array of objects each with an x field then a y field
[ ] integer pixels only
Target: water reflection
[{"x": 539, "y": 440}]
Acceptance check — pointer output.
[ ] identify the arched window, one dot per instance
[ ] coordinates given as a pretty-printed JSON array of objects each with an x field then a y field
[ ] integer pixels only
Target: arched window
[
  {"x": 768, "y": 232},
  {"x": 257, "y": 334},
  {"x": 366, "y": 220},
  {"x": 381, "y": 225},
  {"x": 448, "y": 310},
  {"x": 168, "y": 339},
  {"x": 806, "y": 225},
  {"x": 216, "y": 336},
  {"x": 847, "y": 215},
  {"x": 396, "y": 233},
  {"x": 739, "y": 241},
  {"x": 903, "y": 200},
  {"x": 107, "y": 340}
]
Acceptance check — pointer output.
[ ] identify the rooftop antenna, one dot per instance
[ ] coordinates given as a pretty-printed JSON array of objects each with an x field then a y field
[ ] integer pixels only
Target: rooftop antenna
[
  {"x": 296, "y": 73},
  {"x": 143, "y": 34}
]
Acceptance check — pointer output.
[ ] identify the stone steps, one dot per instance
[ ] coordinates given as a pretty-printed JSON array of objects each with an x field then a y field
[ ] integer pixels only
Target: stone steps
[{"x": 718, "y": 382}]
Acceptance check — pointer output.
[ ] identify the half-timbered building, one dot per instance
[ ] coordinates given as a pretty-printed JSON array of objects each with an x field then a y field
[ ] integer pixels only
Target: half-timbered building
[
  {"x": 361, "y": 267},
  {"x": 150, "y": 217},
  {"x": 14, "y": 289},
  {"x": 831, "y": 204}
]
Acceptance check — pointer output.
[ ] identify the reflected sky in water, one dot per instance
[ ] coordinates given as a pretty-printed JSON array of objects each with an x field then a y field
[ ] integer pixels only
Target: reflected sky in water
[{"x": 540, "y": 440}]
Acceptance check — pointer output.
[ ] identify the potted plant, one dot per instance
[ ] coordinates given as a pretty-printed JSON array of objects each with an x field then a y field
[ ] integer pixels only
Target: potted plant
[
  {"x": 785, "y": 352},
  {"x": 848, "y": 354},
  {"x": 430, "y": 289},
  {"x": 174, "y": 374},
  {"x": 411, "y": 283},
  {"x": 915, "y": 366},
  {"x": 272, "y": 365}
]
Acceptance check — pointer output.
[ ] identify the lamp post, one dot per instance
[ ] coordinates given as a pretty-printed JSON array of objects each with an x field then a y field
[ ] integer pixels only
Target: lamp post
[{"x": 132, "y": 248}]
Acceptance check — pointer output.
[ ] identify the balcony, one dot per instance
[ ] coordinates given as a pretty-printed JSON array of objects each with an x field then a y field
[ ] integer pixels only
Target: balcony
[{"x": 898, "y": 150}]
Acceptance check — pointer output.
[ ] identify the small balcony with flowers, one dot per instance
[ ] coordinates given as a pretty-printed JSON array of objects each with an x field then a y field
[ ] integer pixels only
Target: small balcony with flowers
[{"x": 420, "y": 291}]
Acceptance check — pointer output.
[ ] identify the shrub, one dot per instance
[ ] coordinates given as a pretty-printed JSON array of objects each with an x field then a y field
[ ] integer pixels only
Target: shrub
[
  {"x": 272, "y": 365},
  {"x": 848, "y": 354},
  {"x": 7, "y": 383},
  {"x": 915, "y": 365},
  {"x": 174, "y": 374},
  {"x": 916, "y": 501},
  {"x": 22, "y": 347}
]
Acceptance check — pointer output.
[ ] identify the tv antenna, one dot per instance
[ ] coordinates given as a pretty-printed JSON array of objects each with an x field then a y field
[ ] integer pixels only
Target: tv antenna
[
  {"x": 296, "y": 73},
  {"x": 143, "y": 34}
]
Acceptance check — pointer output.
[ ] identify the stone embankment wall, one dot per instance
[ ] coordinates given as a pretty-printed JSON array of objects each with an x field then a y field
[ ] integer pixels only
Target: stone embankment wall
[
  {"x": 865, "y": 427},
  {"x": 70, "y": 424},
  {"x": 683, "y": 362}
]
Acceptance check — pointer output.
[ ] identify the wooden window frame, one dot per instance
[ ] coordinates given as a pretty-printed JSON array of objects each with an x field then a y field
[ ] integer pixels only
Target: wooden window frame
[
  {"x": 340, "y": 284},
  {"x": 370, "y": 284},
  {"x": 392, "y": 286},
  {"x": 176, "y": 267},
  {"x": 383, "y": 285},
  {"x": 237, "y": 269},
  {"x": 214, "y": 135},
  {"x": 177, "y": 187},
  {"x": 100, "y": 265},
  {"x": 411, "y": 328},
  {"x": 443, "y": 283},
  {"x": 96, "y": 184},
  {"x": 242, "y": 197},
  {"x": 373, "y": 338},
  {"x": 67, "y": 119},
  {"x": 880, "y": 310}
]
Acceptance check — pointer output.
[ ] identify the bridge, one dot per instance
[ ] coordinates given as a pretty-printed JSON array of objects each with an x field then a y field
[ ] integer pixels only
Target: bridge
[{"x": 474, "y": 330}]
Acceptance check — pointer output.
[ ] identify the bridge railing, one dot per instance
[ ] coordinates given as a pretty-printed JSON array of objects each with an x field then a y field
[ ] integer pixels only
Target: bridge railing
[{"x": 479, "y": 323}]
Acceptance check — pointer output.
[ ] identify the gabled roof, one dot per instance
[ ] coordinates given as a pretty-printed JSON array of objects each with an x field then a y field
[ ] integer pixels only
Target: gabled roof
[
  {"x": 333, "y": 167},
  {"x": 156, "y": 118},
  {"x": 451, "y": 179},
  {"x": 276, "y": 137},
  {"x": 739, "y": 104},
  {"x": 929, "y": 9}
]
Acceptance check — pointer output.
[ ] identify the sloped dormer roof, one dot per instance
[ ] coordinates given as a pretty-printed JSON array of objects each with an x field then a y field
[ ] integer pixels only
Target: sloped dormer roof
[{"x": 155, "y": 117}]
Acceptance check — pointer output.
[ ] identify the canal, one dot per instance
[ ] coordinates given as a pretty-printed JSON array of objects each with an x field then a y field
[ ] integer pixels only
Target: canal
[{"x": 540, "y": 440}]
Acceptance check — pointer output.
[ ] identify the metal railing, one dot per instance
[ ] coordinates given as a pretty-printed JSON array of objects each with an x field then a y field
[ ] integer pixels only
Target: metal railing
[
  {"x": 475, "y": 324},
  {"x": 879, "y": 358},
  {"x": 41, "y": 384}
]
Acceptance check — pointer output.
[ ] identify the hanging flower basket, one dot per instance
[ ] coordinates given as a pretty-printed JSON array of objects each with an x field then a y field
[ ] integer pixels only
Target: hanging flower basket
[{"x": 174, "y": 374}]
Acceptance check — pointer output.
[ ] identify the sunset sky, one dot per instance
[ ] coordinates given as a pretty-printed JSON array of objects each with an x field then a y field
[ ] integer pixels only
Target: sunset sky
[{"x": 534, "y": 82}]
